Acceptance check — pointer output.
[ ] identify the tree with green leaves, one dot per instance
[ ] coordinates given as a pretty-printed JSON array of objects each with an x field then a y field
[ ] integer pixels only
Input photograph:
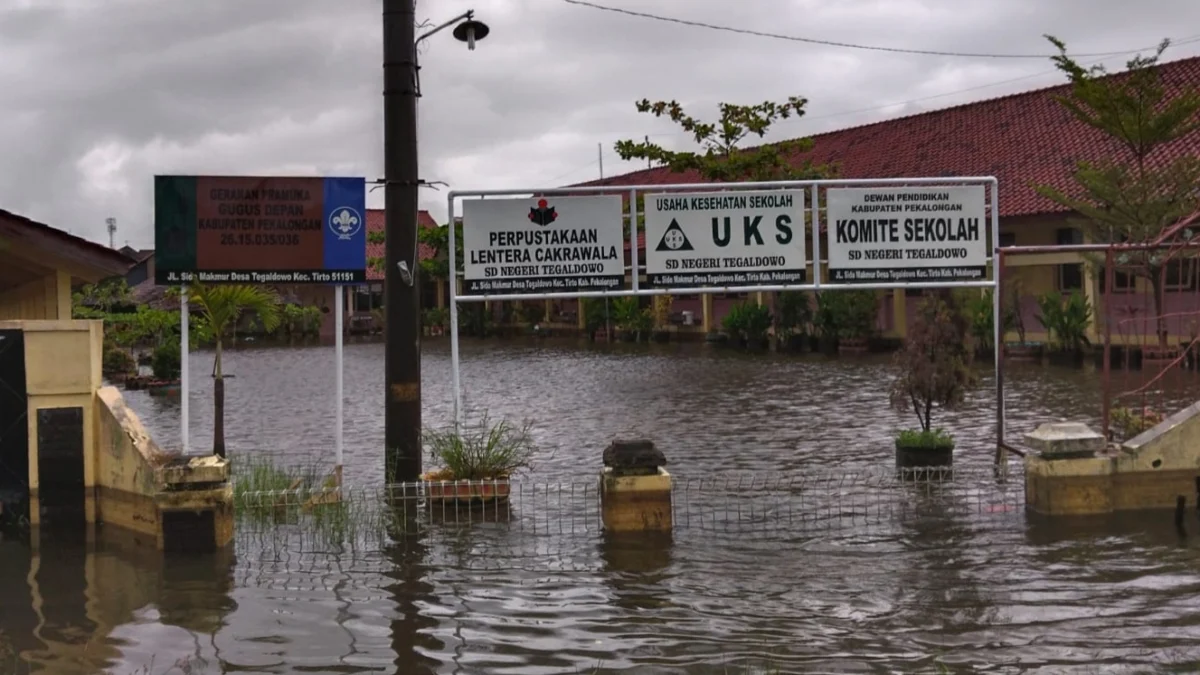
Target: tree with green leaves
[
  {"x": 721, "y": 156},
  {"x": 1134, "y": 195},
  {"x": 222, "y": 306},
  {"x": 438, "y": 239}
]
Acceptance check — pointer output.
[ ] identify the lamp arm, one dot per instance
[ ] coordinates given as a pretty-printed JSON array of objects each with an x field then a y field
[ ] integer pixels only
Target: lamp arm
[{"x": 469, "y": 14}]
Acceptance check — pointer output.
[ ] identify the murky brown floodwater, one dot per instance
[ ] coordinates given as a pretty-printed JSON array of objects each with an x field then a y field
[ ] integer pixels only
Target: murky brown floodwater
[{"x": 975, "y": 585}]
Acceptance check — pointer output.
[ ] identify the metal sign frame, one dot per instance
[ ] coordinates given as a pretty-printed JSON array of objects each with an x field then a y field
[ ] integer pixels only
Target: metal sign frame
[{"x": 812, "y": 188}]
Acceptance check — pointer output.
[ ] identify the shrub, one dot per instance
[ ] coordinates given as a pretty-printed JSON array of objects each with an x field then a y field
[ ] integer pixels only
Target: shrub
[
  {"x": 934, "y": 364},
  {"x": 166, "y": 361},
  {"x": 117, "y": 361},
  {"x": 482, "y": 451},
  {"x": 933, "y": 439}
]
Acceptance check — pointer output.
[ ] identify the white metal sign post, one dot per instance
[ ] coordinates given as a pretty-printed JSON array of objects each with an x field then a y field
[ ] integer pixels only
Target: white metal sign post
[
  {"x": 705, "y": 238},
  {"x": 725, "y": 238}
]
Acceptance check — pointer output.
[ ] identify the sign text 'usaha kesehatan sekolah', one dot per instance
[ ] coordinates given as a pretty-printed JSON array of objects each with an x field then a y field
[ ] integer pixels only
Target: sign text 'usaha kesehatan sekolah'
[{"x": 730, "y": 238}]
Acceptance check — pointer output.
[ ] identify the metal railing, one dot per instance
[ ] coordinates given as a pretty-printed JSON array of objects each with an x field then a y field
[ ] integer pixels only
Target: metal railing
[{"x": 568, "y": 513}]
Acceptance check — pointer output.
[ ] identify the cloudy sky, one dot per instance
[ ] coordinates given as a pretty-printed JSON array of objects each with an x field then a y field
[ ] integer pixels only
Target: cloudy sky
[{"x": 97, "y": 96}]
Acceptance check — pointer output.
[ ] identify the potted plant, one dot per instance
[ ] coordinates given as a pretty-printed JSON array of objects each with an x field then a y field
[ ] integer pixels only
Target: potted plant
[
  {"x": 477, "y": 461},
  {"x": 934, "y": 371}
]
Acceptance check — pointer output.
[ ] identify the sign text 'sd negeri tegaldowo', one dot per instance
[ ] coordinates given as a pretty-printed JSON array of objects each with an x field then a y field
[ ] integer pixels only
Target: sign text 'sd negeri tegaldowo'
[
  {"x": 916, "y": 234},
  {"x": 543, "y": 245},
  {"x": 731, "y": 238}
]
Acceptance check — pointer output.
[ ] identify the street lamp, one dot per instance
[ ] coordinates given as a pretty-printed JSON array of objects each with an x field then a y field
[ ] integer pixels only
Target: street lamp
[{"x": 401, "y": 287}]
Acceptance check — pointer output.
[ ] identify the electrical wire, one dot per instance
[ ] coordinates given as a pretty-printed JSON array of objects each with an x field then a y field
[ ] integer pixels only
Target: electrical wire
[
  {"x": 841, "y": 113},
  {"x": 831, "y": 43}
]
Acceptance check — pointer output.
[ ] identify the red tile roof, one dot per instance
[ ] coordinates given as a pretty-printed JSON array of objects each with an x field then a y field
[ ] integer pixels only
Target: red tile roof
[
  {"x": 375, "y": 223},
  {"x": 1022, "y": 139}
]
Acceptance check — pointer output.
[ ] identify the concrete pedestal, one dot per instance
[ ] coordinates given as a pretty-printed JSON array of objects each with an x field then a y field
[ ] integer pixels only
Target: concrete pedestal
[
  {"x": 1074, "y": 472},
  {"x": 636, "y": 503}
]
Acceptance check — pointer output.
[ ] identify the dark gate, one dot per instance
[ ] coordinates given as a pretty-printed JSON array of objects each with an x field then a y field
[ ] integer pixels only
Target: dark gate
[
  {"x": 14, "y": 428},
  {"x": 61, "y": 491}
]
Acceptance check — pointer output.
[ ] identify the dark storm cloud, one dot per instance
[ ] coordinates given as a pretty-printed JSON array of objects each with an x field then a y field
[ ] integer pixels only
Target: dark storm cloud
[{"x": 97, "y": 97}]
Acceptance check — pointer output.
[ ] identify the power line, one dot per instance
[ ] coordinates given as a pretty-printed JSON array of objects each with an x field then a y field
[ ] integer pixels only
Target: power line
[
  {"x": 841, "y": 113},
  {"x": 830, "y": 43}
]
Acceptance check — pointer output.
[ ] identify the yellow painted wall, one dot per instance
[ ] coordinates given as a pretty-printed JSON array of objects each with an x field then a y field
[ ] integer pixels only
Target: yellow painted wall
[
  {"x": 127, "y": 462},
  {"x": 62, "y": 370},
  {"x": 42, "y": 299}
]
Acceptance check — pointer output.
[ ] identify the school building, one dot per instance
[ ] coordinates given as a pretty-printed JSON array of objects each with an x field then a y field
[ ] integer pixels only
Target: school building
[{"x": 1024, "y": 140}]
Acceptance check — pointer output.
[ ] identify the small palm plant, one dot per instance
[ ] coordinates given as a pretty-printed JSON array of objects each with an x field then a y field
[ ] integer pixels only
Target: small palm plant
[{"x": 222, "y": 306}]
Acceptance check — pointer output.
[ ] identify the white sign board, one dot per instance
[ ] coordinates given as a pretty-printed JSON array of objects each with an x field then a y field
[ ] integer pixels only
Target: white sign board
[
  {"x": 934, "y": 233},
  {"x": 543, "y": 245},
  {"x": 734, "y": 238}
]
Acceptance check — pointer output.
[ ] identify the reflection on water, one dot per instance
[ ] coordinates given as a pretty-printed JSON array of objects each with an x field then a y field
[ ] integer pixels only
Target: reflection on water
[{"x": 1020, "y": 593}]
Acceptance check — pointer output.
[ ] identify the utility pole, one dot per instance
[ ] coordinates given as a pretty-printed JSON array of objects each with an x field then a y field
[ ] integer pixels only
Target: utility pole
[
  {"x": 600, "y": 158},
  {"x": 401, "y": 287}
]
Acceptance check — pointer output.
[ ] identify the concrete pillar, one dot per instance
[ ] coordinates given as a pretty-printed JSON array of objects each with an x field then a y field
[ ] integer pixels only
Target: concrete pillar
[
  {"x": 62, "y": 295},
  {"x": 899, "y": 313},
  {"x": 1091, "y": 293},
  {"x": 706, "y": 305},
  {"x": 635, "y": 489},
  {"x": 1064, "y": 475}
]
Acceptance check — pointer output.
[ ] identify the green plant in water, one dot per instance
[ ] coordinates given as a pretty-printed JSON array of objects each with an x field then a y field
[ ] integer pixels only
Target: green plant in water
[
  {"x": 979, "y": 310},
  {"x": 846, "y": 314},
  {"x": 166, "y": 360},
  {"x": 1066, "y": 320},
  {"x": 480, "y": 451},
  {"x": 117, "y": 361},
  {"x": 533, "y": 312},
  {"x": 794, "y": 316},
  {"x": 748, "y": 322},
  {"x": 595, "y": 315},
  {"x": 629, "y": 315},
  {"x": 436, "y": 316}
]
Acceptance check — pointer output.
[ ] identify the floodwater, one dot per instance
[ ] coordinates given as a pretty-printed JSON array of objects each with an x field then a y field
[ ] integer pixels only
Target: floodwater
[{"x": 961, "y": 582}]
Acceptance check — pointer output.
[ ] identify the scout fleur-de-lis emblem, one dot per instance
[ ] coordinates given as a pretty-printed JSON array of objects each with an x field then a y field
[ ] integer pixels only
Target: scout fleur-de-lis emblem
[{"x": 345, "y": 222}]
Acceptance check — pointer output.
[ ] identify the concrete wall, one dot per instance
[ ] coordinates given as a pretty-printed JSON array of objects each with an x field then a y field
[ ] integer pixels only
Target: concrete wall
[
  {"x": 127, "y": 466},
  {"x": 62, "y": 370},
  {"x": 46, "y": 298},
  {"x": 138, "y": 484},
  {"x": 1149, "y": 471}
]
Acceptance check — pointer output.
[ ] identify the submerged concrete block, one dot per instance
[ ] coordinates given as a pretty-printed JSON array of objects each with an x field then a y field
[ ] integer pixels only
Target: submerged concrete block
[
  {"x": 1154, "y": 470},
  {"x": 1065, "y": 439},
  {"x": 639, "y": 503}
]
